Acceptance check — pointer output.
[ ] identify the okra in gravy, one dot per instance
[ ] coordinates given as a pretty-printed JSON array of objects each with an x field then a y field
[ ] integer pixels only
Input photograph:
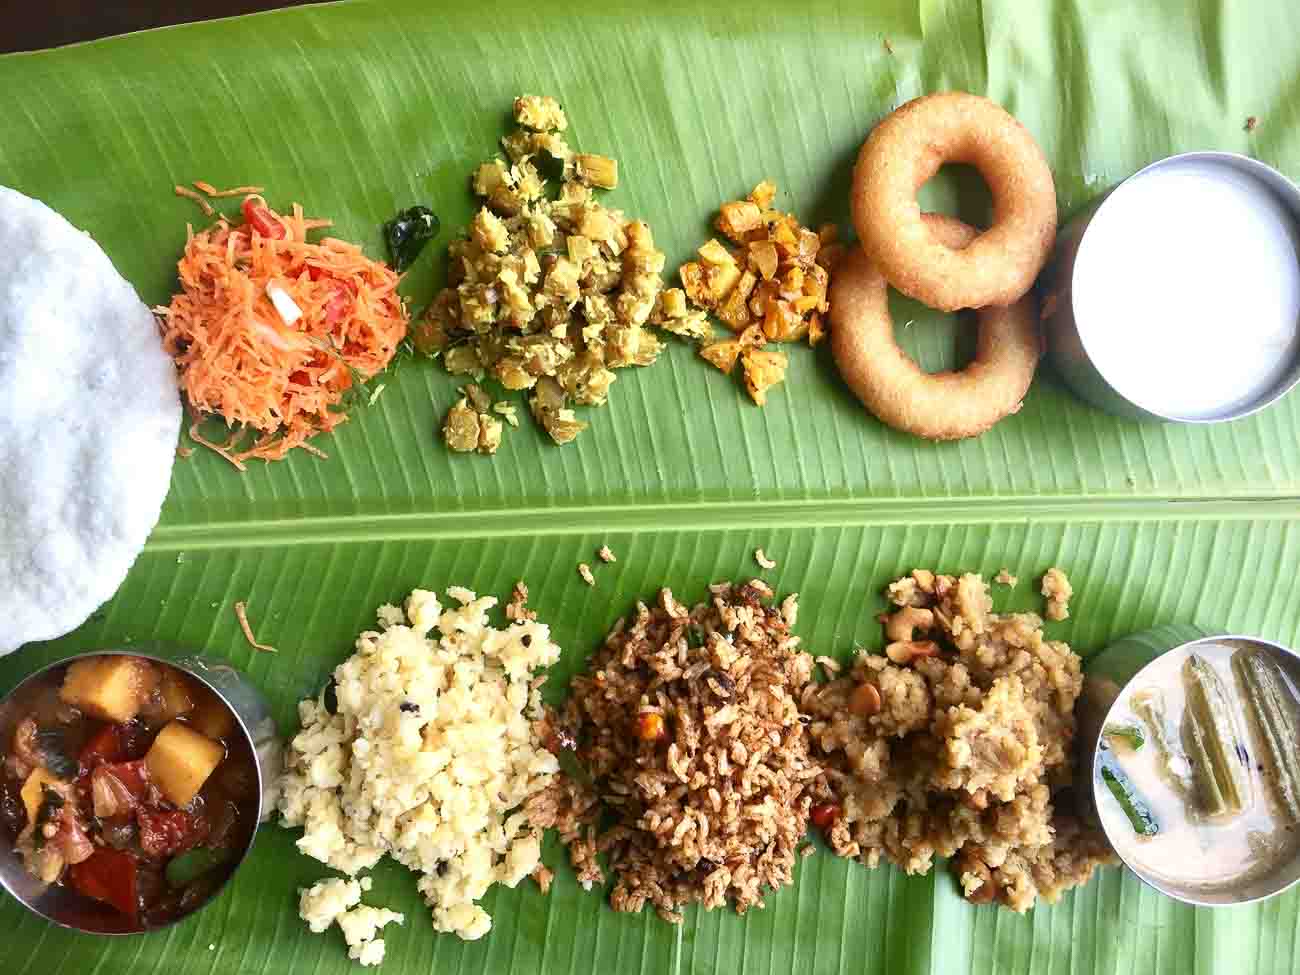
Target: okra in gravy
[{"x": 1210, "y": 765}]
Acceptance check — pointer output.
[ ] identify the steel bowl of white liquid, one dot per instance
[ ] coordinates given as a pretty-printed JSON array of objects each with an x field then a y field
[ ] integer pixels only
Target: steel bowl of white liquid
[{"x": 1177, "y": 296}]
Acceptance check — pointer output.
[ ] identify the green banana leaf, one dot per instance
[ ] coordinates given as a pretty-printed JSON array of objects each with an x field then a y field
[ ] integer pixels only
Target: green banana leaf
[{"x": 359, "y": 109}]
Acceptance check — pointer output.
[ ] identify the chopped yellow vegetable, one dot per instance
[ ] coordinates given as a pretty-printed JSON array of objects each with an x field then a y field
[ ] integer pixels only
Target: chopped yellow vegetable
[
  {"x": 541, "y": 113},
  {"x": 739, "y": 218},
  {"x": 175, "y": 693},
  {"x": 763, "y": 370},
  {"x": 712, "y": 252},
  {"x": 782, "y": 323},
  {"x": 33, "y": 792},
  {"x": 692, "y": 276},
  {"x": 734, "y": 311},
  {"x": 109, "y": 687},
  {"x": 596, "y": 170},
  {"x": 721, "y": 279},
  {"x": 809, "y": 244},
  {"x": 763, "y": 195},
  {"x": 763, "y": 257},
  {"x": 211, "y": 718},
  {"x": 816, "y": 330},
  {"x": 672, "y": 302},
  {"x": 722, "y": 354},
  {"x": 180, "y": 761},
  {"x": 774, "y": 288}
]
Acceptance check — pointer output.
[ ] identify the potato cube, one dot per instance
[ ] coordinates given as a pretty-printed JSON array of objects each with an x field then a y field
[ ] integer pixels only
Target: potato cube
[
  {"x": 33, "y": 792},
  {"x": 174, "y": 697},
  {"x": 210, "y": 717},
  {"x": 111, "y": 688},
  {"x": 174, "y": 690},
  {"x": 510, "y": 372},
  {"x": 180, "y": 761}
]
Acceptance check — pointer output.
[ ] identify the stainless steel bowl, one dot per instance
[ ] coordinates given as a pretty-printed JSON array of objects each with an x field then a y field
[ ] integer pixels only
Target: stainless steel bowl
[
  {"x": 1108, "y": 673},
  {"x": 255, "y": 724},
  {"x": 1177, "y": 295}
]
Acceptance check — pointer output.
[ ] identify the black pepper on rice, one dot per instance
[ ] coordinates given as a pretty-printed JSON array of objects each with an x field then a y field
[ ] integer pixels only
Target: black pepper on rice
[{"x": 694, "y": 762}]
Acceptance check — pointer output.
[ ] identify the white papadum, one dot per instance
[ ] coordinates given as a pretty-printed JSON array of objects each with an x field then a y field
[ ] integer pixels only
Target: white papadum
[{"x": 89, "y": 415}]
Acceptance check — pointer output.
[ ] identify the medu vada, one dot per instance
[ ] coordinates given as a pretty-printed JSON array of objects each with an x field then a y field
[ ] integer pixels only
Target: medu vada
[
  {"x": 937, "y": 406},
  {"x": 904, "y": 151}
]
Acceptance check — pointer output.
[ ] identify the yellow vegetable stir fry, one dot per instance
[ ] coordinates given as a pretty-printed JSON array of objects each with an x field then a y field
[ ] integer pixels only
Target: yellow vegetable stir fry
[
  {"x": 771, "y": 288},
  {"x": 551, "y": 293}
]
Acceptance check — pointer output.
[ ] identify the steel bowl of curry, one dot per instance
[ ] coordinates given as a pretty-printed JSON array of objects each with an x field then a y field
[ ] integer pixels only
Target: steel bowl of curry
[{"x": 131, "y": 786}]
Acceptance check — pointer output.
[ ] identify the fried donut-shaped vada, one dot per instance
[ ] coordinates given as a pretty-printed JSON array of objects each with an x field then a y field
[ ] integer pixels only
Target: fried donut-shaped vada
[
  {"x": 904, "y": 151},
  {"x": 937, "y": 406}
]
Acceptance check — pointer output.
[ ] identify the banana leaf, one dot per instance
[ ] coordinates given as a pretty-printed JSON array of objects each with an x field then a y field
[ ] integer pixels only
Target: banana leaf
[{"x": 359, "y": 109}]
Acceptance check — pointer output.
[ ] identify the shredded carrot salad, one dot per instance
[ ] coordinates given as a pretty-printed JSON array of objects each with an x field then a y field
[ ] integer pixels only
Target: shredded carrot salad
[{"x": 276, "y": 381}]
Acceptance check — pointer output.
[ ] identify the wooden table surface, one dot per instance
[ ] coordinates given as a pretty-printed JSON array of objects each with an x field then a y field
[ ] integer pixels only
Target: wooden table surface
[{"x": 29, "y": 25}]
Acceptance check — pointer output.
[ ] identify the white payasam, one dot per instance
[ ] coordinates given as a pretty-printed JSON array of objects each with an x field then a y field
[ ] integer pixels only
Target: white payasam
[
  {"x": 430, "y": 756},
  {"x": 89, "y": 413}
]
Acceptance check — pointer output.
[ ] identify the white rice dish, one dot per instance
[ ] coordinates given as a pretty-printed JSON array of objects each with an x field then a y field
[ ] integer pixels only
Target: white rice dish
[
  {"x": 89, "y": 415},
  {"x": 430, "y": 756},
  {"x": 336, "y": 901}
]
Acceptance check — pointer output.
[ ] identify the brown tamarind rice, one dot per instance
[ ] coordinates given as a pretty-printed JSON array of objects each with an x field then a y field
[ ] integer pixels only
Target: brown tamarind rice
[
  {"x": 963, "y": 749},
  {"x": 696, "y": 760}
]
